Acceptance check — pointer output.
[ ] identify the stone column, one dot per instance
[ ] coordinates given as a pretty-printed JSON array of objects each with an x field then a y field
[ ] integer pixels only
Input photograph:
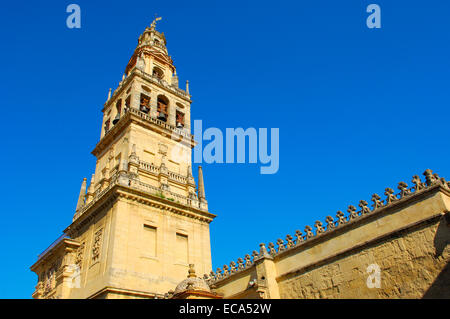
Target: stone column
[
  {"x": 135, "y": 96},
  {"x": 172, "y": 112}
]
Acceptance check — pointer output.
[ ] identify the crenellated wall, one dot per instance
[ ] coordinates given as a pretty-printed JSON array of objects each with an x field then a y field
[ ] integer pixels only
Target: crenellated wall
[{"x": 396, "y": 249}]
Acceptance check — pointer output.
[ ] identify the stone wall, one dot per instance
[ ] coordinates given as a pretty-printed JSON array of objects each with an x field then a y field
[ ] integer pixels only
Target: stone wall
[
  {"x": 414, "y": 265},
  {"x": 397, "y": 249}
]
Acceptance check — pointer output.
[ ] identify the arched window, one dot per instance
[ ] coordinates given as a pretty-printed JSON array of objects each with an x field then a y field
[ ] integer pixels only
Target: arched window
[
  {"x": 180, "y": 119},
  {"x": 119, "y": 109},
  {"x": 158, "y": 73},
  {"x": 163, "y": 106},
  {"x": 145, "y": 103}
]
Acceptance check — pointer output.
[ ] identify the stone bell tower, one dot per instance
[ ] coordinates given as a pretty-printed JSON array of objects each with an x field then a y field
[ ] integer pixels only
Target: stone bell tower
[{"x": 141, "y": 221}]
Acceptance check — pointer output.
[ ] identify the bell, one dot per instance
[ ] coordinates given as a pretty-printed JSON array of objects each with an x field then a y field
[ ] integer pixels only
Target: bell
[
  {"x": 116, "y": 119},
  {"x": 161, "y": 116},
  {"x": 180, "y": 125},
  {"x": 144, "y": 109}
]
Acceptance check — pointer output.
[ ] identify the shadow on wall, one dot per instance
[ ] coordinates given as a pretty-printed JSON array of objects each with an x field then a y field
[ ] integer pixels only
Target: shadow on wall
[{"x": 440, "y": 288}]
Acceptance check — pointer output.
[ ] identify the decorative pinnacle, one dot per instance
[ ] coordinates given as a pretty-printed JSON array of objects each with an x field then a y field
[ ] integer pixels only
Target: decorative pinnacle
[
  {"x": 82, "y": 194},
  {"x": 191, "y": 271},
  {"x": 201, "y": 187}
]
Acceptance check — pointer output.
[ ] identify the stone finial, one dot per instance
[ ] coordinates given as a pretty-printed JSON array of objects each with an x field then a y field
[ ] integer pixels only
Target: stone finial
[
  {"x": 390, "y": 196},
  {"x": 418, "y": 185},
  {"x": 298, "y": 237},
  {"x": 226, "y": 272},
  {"x": 280, "y": 243},
  {"x": 330, "y": 223},
  {"x": 191, "y": 271},
  {"x": 187, "y": 87},
  {"x": 430, "y": 178},
  {"x": 233, "y": 267},
  {"x": 91, "y": 184},
  {"x": 82, "y": 195},
  {"x": 218, "y": 273},
  {"x": 403, "y": 187},
  {"x": 364, "y": 207},
  {"x": 341, "y": 218},
  {"x": 319, "y": 227},
  {"x": 241, "y": 264},
  {"x": 109, "y": 94},
  {"x": 255, "y": 255},
  {"x": 352, "y": 212},
  {"x": 308, "y": 231},
  {"x": 290, "y": 242},
  {"x": 248, "y": 261},
  {"x": 272, "y": 250},
  {"x": 377, "y": 203},
  {"x": 262, "y": 250}
]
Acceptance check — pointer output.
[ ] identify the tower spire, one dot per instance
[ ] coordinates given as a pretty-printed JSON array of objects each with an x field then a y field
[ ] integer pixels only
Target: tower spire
[{"x": 82, "y": 194}]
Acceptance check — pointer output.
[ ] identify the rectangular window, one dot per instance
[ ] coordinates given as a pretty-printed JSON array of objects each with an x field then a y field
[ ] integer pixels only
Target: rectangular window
[
  {"x": 149, "y": 241},
  {"x": 182, "y": 251}
]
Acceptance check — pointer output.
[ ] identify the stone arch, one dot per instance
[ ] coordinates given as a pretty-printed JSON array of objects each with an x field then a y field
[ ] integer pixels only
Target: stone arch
[{"x": 158, "y": 72}]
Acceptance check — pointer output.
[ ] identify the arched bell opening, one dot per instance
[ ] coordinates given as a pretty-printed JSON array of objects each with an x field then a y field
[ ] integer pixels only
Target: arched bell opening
[
  {"x": 163, "y": 107},
  {"x": 144, "y": 103},
  {"x": 158, "y": 73},
  {"x": 119, "y": 110},
  {"x": 179, "y": 119}
]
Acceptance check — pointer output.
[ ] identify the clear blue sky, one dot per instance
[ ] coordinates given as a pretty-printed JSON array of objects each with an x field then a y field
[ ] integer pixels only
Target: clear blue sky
[{"x": 358, "y": 109}]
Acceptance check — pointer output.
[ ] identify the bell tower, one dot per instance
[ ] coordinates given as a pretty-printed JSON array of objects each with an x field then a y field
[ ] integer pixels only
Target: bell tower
[{"x": 141, "y": 220}]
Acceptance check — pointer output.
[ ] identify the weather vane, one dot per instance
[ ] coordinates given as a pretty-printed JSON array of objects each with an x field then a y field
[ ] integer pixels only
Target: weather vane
[{"x": 153, "y": 25}]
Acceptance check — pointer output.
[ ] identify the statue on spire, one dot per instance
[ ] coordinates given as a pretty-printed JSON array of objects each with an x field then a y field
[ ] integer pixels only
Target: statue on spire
[{"x": 153, "y": 25}]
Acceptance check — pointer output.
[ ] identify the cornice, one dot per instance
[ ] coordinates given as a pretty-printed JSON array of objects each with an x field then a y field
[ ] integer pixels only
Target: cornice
[
  {"x": 120, "y": 191},
  {"x": 65, "y": 243}
]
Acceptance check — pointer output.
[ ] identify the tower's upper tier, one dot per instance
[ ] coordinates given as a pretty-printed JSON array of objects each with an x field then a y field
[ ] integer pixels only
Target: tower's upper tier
[{"x": 151, "y": 43}]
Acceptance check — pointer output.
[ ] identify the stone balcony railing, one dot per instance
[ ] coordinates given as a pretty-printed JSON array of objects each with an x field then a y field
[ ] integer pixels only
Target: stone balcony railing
[
  {"x": 159, "y": 123},
  {"x": 123, "y": 178},
  {"x": 153, "y": 169},
  {"x": 153, "y": 79},
  {"x": 354, "y": 214}
]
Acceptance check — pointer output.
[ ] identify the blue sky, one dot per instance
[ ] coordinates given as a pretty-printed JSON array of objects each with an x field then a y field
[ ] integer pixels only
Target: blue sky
[{"x": 358, "y": 109}]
